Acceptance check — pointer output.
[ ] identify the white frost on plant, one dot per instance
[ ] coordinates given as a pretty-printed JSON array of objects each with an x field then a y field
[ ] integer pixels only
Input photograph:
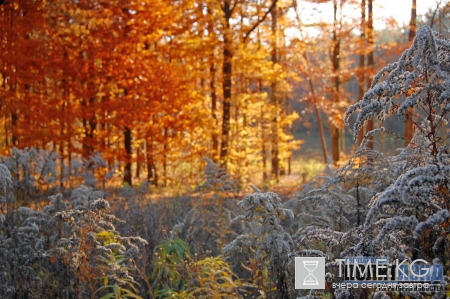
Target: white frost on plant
[
  {"x": 435, "y": 219},
  {"x": 273, "y": 244},
  {"x": 407, "y": 77},
  {"x": 5, "y": 178},
  {"x": 402, "y": 223}
]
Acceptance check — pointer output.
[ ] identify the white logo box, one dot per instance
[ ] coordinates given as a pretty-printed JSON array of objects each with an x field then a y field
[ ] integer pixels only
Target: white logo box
[{"x": 310, "y": 273}]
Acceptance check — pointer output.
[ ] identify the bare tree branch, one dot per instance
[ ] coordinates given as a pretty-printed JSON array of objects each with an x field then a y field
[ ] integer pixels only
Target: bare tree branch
[
  {"x": 274, "y": 3},
  {"x": 434, "y": 14}
]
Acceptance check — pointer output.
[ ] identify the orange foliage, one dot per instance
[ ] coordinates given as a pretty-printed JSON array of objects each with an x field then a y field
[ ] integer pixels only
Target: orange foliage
[{"x": 80, "y": 77}]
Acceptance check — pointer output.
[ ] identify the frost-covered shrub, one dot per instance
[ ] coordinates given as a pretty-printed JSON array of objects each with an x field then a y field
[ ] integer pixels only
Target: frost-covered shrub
[
  {"x": 34, "y": 175},
  {"x": 340, "y": 204},
  {"x": 83, "y": 196},
  {"x": 330, "y": 207},
  {"x": 415, "y": 206},
  {"x": 216, "y": 179},
  {"x": 90, "y": 236},
  {"x": 407, "y": 214},
  {"x": 266, "y": 237},
  {"x": 32, "y": 172},
  {"x": 5, "y": 187},
  {"x": 23, "y": 251},
  {"x": 422, "y": 75},
  {"x": 60, "y": 252},
  {"x": 210, "y": 217},
  {"x": 92, "y": 172}
]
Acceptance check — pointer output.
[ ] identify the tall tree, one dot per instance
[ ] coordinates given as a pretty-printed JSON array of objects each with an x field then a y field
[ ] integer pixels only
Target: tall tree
[
  {"x": 362, "y": 61},
  {"x": 228, "y": 7},
  {"x": 306, "y": 71},
  {"x": 275, "y": 162},
  {"x": 370, "y": 60},
  {"x": 409, "y": 124},
  {"x": 335, "y": 58},
  {"x": 226, "y": 80},
  {"x": 111, "y": 76}
]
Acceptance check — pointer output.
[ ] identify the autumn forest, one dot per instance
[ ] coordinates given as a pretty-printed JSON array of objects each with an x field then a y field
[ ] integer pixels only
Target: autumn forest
[
  {"x": 158, "y": 84},
  {"x": 163, "y": 113}
]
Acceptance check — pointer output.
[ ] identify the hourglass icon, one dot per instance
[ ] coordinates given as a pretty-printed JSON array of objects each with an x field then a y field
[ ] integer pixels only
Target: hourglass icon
[
  {"x": 310, "y": 279},
  {"x": 309, "y": 273}
]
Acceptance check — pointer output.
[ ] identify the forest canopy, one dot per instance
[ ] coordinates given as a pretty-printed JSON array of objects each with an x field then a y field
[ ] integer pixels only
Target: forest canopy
[
  {"x": 151, "y": 149},
  {"x": 156, "y": 85}
]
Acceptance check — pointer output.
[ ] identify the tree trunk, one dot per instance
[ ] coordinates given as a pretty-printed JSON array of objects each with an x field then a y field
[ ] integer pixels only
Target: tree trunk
[
  {"x": 287, "y": 106},
  {"x": 317, "y": 113},
  {"x": 409, "y": 126},
  {"x": 362, "y": 64},
  {"x": 263, "y": 135},
  {"x": 212, "y": 91},
  {"x": 321, "y": 134},
  {"x": 151, "y": 169},
  {"x": 212, "y": 87},
  {"x": 370, "y": 124},
  {"x": 14, "y": 138},
  {"x": 226, "y": 84},
  {"x": 227, "y": 68},
  {"x": 336, "y": 84},
  {"x": 413, "y": 22},
  {"x": 62, "y": 125},
  {"x": 127, "y": 174},
  {"x": 275, "y": 163},
  {"x": 89, "y": 125},
  {"x": 138, "y": 163},
  {"x": 166, "y": 140}
]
